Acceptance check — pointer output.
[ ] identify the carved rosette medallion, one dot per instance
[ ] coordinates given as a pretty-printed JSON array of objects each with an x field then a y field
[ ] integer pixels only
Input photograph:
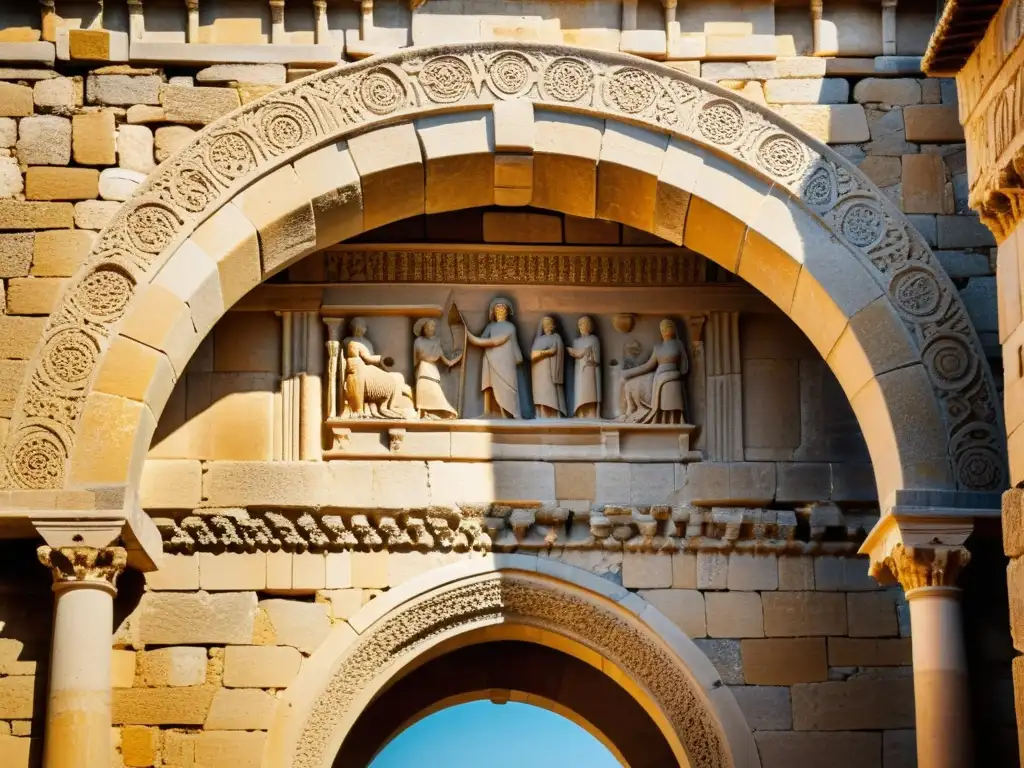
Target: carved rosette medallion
[
  {"x": 84, "y": 565},
  {"x": 243, "y": 146},
  {"x": 512, "y": 597}
]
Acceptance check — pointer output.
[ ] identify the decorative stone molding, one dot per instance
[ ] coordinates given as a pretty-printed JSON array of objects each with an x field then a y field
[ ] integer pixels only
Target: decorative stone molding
[
  {"x": 916, "y": 567},
  {"x": 506, "y": 528},
  {"x": 517, "y": 598},
  {"x": 84, "y": 565},
  {"x": 239, "y": 149}
]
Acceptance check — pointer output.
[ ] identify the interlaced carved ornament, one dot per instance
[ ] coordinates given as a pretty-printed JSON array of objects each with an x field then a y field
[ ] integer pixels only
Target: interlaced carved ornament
[
  {"x": 514, "y": 597},
  {"x": 267, "y": 133}
]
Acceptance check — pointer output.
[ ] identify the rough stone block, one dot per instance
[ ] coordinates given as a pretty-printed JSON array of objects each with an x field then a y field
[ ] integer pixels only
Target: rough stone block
[
  {"x": 122, "y": 90},
  {"x": 33, "y": 295},
  {"x": 15, "y": 100},
  {"x": 890, "y": 91},
  {"x": 766, "y": 708},
  {"x": 264, "y": 74},
  {"x": 57, "y": 95},
  {"x": 56, "y": 253},
  {"x": 591, "y": 231},
  {"x": 796, "y": 573},
  {"x": 725, "y": 656},
  {"x": 8, "y": 132},
  {"x": 17, "y": 698},
  {"x": 161, "y": 706},
  {"x": 646, "y": 571},
  {"x": 883, "y": 170},
  {"x": 684, "y": 570},
  {"x": 139, "y": 746},
  {"x": 784, "y": 749},
  {"x": 300, "y": 625},
  {"x": 832, "y": 124},
  {"x": 95, "y": 214},
  {"x": 232, "y": 749},
  {"x": 15, "y": 751},
  {"x": 182, "y": 619},
  {"x": 119, "y": 183},
  {"x": 19, "y": 336},
  {"x": 175, "y": 667},
  {"x": 1012, "y": 514},
  {"x": 807, "y": 91},
  {"x": 784, "y": 662},
  {"x": 197, "y": 106},
  {"x": 712, "y": 570},
  {"x": 899, "y": 748},
  {"x": 797, "y": 614},
  {"x": 872, "y": 614},
  {"x": 683, "y": 607},
  {"x": 254, "y": 666},
  {"x": 575, "y": 481},
  {"x": 94, "y": 138},
  {"x": 241, "y": 709},
  {"x": 170, "y": 138},
  {"x": 15, "y": 254},
  {"x": 176, "y": 573},
  {"x": 855, "y": 652},
  {"x": 232, "y": 571},
  {"x": 141, "y": 113},
  {"x": 963, "y": 232},
  {"x": 752, "y": 572},
  {"x": 44, "y": 140},
  {"x": 49, "y": 183},
  {"x": 888, "y": 134},
  {"x": 734, "y": 614},
  {"x": 135, "y": 148},
  {"x": 843, "y": 574},
  {"x": 854, "y": 705},
  {"x": 926, "y": 185},
  {"x": 933, "y": 124}
]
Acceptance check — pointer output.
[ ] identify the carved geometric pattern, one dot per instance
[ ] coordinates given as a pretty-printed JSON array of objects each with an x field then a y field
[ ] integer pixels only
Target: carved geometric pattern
[
  {"x": 293, "y": 120},
  {"x": 502, "y": 528},
  {"x": 517, "y": 598}
]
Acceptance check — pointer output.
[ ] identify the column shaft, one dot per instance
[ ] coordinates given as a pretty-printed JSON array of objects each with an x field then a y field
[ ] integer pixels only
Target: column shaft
[{"x": 942, "y": 708}]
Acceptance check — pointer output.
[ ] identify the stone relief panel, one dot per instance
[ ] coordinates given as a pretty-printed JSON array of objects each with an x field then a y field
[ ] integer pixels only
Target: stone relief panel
[{"x": 286, "y": 124}]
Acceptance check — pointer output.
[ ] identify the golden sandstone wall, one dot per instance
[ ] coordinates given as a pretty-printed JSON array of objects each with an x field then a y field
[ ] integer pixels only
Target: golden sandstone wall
[{"x": 815, "y": 652}]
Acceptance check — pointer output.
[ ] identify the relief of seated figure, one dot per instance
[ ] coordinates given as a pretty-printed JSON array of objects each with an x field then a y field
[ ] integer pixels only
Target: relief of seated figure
[
  {"x": 369, "y": 389},
  {"x": 652, "y": 393}
]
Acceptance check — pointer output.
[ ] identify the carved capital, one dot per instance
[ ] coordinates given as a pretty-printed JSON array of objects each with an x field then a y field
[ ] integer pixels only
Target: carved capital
[
  {"x": 917, "y": 567},
  {"x": 84, "y": 565}
]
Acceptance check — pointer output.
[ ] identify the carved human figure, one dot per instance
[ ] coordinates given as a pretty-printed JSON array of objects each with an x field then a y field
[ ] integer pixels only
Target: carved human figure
[
  {"x": 499, "y": 377},
  {"x": 586, "y": 350},
  {"x": 547, "y": 360},
  {"x": 427, "y": 352},
  {"x": 369, "y": 389},
  {"x": 652, "y": 393}
]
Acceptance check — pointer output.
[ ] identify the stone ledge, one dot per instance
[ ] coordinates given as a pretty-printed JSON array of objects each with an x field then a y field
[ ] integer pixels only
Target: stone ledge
[
  {"x": 202, "y": 54},
  {"x": 28, "y": 53}
]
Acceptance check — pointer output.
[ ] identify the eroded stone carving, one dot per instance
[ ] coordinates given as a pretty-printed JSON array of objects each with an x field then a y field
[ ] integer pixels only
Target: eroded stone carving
[
  {"x": 586, "y": 351},
  {"x": 499, "y": 380},
  {"x": 431, "y": 402},
  {"x": 516, "y": 597},
  {"x": 283, "y": 125},
  {"x": 916, "y": 567},
  {"x": 84, "y": 564},
  {"x": 653, "y": 393},
  {"x": 370, "y": 390},
  {"x": 547, "y": 361}
]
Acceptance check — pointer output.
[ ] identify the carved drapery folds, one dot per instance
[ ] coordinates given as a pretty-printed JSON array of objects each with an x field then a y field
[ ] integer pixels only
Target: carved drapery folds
[
  {"x": 291, "y": 121},
  {"x": 915, "y": 567},
  {"x": 84, "y": 565}
]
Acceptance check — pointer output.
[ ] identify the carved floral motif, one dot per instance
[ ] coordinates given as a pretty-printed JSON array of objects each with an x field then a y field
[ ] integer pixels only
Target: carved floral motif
[
  {"x": 84, "y": 564},
  {"x": 281, "y": 126}
]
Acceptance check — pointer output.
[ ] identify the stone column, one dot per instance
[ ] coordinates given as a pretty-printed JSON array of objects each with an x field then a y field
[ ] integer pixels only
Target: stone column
[
  {"x": 321, "y": 32},
  {"x": 277, "y": 21},
  {"x": 136, "y": 21},
  {"x": 888, "y": 27},
  {"x": 78, "y": 708},
  {"x": 942, "y": 708},
  {"x": 192, "y": 26}
]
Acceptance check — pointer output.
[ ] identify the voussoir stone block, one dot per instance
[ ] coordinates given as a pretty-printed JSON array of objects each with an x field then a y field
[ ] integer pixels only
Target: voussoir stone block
[
  {"x": 458, "y": 152},
  {"x": 279, "y": 207},
  {"x": 390, "y": 165},
  {"x": 332, "y": 182},
  {"x": 566, "y": 151},
  {"x": 629, "y": 166},
  {"x": 263, "y": 666},
  {"x": 232, "y": 241},
  {"x": 197, "y": 618}
]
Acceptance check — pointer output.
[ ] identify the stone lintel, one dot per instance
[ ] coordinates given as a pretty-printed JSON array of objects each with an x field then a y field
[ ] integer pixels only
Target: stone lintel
[{"x": 200, "y": 54}]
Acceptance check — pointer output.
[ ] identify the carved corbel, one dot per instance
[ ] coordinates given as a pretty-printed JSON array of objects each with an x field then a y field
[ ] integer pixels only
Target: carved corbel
[{"x": 93, "y": 566}]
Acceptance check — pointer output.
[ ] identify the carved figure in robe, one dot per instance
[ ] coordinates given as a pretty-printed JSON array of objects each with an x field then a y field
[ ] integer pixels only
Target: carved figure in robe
[
  {"x": 547, "y": 359},
  {"x": 369, "y": 390},
  {"x": 427, "y": 352},
  {"x": 586, "y": 350},
  {"x": 652, "y": 393},
  {"x": 499, "y": 371}
]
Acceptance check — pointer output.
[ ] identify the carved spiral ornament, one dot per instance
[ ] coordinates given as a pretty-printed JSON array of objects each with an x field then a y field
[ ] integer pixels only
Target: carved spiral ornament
[
  {"x": 510, "y": 73},
  {"x": 568, "y": 79},
  {"x": 333, "y": 105}
]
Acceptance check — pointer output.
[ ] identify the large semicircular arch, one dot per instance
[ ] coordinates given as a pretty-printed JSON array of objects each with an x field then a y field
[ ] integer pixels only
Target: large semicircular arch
[{"x": 822, "y": 242}]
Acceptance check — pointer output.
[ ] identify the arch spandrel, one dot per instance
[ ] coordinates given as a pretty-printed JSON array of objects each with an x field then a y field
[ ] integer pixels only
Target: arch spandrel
[{"x": 844, "y": 242}]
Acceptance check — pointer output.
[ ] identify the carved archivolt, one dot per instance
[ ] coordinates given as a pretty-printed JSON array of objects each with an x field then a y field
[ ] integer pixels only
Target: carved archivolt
[
  {"x": 512, "y": 596},
  {"x": 276, "y": 129}
]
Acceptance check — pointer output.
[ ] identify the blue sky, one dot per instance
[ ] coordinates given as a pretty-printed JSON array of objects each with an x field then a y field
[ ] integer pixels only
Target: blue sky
[{"x": 486, "y": 735}]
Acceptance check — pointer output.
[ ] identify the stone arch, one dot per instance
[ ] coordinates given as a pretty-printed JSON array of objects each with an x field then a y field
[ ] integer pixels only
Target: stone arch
[
  {"x": 437, "y": 129},
  {"x": 518, "y": 597}
]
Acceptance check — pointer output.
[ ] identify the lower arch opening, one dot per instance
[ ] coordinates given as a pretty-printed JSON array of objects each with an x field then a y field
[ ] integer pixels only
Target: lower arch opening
[{"x": 517, "y": 671}]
